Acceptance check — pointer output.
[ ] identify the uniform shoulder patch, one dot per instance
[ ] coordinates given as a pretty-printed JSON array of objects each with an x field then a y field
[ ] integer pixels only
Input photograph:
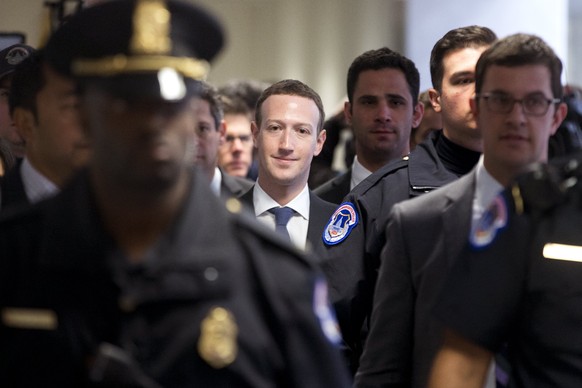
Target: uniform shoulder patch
[
  {"x": 493, "y": 220},
  {"x": 325, "y": 312},
  {"x": 340, "y": 224}
]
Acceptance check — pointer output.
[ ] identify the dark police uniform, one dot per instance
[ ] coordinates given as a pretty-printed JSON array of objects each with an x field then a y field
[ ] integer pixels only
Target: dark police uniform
[
  {"x": 217, "y": 302},
  {"x": 214, "y": 300},
  {"x": 354, "y": 251},
  {"x": 519, "y": 279}
]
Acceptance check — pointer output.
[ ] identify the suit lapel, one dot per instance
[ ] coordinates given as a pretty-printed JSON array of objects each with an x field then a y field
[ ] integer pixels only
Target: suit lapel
[{"x": 456, "y": 217}]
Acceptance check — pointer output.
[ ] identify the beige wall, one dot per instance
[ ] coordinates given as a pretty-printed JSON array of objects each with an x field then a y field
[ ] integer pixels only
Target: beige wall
[{"x": 311, "y": 40}]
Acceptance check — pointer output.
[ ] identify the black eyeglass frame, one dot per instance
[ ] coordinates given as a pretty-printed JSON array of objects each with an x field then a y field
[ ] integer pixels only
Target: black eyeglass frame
[{"x": 524, "y": 107}]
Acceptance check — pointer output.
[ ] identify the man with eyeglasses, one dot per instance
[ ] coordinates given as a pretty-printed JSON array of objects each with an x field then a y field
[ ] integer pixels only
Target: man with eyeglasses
[
  {"x": 495, "y": 297},
  {"x": 235, "y": 155},
  {"x": 517, "y": 107}
]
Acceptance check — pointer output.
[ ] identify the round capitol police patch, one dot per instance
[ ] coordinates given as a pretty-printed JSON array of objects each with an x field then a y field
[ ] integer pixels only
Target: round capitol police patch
[
  {"x": 340, "y": 224},
  {"x": 494, "y": 219}
]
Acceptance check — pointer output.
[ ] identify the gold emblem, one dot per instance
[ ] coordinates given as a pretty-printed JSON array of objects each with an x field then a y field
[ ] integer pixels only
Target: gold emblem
[
  {"x": 151, "y": 28},
  {"x": 28, "y": 318},
  {"x": 218, "y": 335}
]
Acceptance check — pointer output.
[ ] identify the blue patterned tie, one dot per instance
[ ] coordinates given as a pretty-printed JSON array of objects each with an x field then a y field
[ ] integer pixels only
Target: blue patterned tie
[{"x": 282, "y": 217}]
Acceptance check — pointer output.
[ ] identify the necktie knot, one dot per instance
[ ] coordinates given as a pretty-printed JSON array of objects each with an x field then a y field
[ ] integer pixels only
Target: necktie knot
[{"x": 282, "y": 217}]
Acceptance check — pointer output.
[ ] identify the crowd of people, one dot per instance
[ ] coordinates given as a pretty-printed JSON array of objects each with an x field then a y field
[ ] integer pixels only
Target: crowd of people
[{"x": 160, "y": 231}]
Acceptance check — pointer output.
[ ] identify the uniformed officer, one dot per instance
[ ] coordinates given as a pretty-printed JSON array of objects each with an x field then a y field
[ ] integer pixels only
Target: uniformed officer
[
  {"x": 355, "y": 235},
  {"x": 135, "y": 275}
]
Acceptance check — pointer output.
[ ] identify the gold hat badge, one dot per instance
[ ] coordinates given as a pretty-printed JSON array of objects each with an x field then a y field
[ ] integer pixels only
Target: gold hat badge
[
  {"x": 150, "y": 48},
  {"x": 218, "y": 338}
]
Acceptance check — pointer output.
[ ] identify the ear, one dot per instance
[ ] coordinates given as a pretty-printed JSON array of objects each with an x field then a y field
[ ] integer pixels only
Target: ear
[
  {"x": 221, "y": 132},
  {"x": 474, "y": 104},
  {"x": 25, "y": 123},
  {"x": 348, "y": 112},
  {"x": 255, "y": 131},
  {"x": 559, "y": 116},
  {"x": 435, "y": 99},
  {"x": 320, "y": 142},
  {"x": 417, "y": 114}
]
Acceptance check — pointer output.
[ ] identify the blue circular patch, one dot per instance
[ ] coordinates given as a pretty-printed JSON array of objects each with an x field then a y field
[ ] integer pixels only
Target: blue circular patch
[
  {"x": 494, "y": 219},
  {"x": 340, "y": 224}
]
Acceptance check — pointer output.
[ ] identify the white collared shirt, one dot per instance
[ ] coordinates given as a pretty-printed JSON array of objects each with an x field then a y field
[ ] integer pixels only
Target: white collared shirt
[
  {"x": 216, "y": 182},
  {"x": 486, "y": 189},
  {"x": 36, "y": 186},
  {"x": 299, "y": 222},
  {"x": 359, "y": 173}
]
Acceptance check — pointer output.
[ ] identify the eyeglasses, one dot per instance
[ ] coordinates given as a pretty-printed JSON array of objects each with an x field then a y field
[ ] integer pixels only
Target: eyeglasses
[
  {"x": 534, "y": 105},
  {"x": 244, "y": 139}
]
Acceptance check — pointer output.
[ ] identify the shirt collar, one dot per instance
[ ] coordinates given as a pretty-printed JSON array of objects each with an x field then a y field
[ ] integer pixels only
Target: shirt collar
[
  {"x": 216, "y": 182},
  {"x": 36, "y": 185},
  {"x": 263, "y": 202},
  {"x": 486, "y": 187},
  {"x": 359, "y": 173}
]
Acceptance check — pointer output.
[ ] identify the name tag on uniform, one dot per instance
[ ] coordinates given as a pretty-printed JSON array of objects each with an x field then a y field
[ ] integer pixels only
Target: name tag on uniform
[
  {"x": 563, "y": 252},
  {"x": 28, "y": 318}
]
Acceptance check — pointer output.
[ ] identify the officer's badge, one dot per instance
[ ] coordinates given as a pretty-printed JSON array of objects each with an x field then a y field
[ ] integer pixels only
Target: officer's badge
[
  {"x": 16, "y": 55},
  {"x": 494, "y": 219},
  {"x": 340, "y": 224},
  {"x": 325, "y": 313},
  {"x": 218, "y": 335}
]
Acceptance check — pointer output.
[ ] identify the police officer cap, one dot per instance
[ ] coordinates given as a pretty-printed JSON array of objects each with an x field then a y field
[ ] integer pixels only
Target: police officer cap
[
  {"x": 11, "y": 56},
  {"x": 137, "y": 48}
]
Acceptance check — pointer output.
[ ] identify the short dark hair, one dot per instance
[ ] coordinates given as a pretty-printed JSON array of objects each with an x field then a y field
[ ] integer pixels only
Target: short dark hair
[
  {"x": 27, "y": 81},
  {"x": 456, "y": 39},
  {"x": 380, "y": 59},
  {"x": 291, "y": 87},
  {"x": 520, "y": 50},
  {"x": 235, "y": 106},
  {"x": 245, "y": 90},
  {"x": 209, "y": 94}
]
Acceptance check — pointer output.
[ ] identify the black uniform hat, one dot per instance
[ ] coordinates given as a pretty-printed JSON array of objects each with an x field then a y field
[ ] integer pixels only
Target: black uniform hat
[
  {"x": 11, "y": 56},
  {"x": 137, "y": 48}
]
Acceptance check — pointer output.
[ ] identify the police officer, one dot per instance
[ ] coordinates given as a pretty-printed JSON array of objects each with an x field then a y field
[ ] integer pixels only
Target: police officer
[
  {"x": 135, "y": 274},
  {"x": 355, "y": 235}
]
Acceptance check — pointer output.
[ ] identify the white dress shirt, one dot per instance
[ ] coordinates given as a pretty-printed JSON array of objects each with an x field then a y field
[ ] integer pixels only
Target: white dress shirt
[
  {"x": 359, "y": 173},
  {"x": 36, "y": 185},
  {"x": 486, "y": 189},
  {"x": 299, "y": 222},
  {"x": 216, "y": 182}
]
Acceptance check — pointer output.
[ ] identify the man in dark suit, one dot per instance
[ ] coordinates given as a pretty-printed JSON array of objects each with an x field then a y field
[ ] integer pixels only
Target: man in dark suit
[
  {"x": 426, "y": 234},
  {"x": 44, "y": 107},
  {"x": 379, "y": 83},
  {"x": 210, "y": 133},
  {"x": 288, "y": 132}
]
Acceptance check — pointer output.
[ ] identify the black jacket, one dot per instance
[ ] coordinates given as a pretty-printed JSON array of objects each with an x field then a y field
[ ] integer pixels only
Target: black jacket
[
  {"x": 66, "y": 288},
  {"x": 352, "y": 264}
]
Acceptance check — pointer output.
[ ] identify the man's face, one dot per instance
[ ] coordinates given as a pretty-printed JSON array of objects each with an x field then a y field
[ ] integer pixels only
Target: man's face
[
  {"x": 287, "y": 141},
  {"x": 55, "y": 142},
  {"x": 381, "y": 115},
  {"x": 513, "y": 140},
  {"x": 145, "y": 145},
  {"x": 7, "y": 129},
  {"x": 458, "y": 86},
  {"x": 235, "y": 155},
  {"x": 209, "y": 138}
]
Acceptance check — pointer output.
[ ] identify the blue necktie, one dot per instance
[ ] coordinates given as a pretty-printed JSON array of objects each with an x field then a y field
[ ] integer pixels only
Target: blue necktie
[{"x": 282, "y": 217}]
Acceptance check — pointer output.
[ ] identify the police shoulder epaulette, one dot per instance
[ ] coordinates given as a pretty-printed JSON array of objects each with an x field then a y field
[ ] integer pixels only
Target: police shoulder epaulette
[{"x": 544, "y": 186}]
